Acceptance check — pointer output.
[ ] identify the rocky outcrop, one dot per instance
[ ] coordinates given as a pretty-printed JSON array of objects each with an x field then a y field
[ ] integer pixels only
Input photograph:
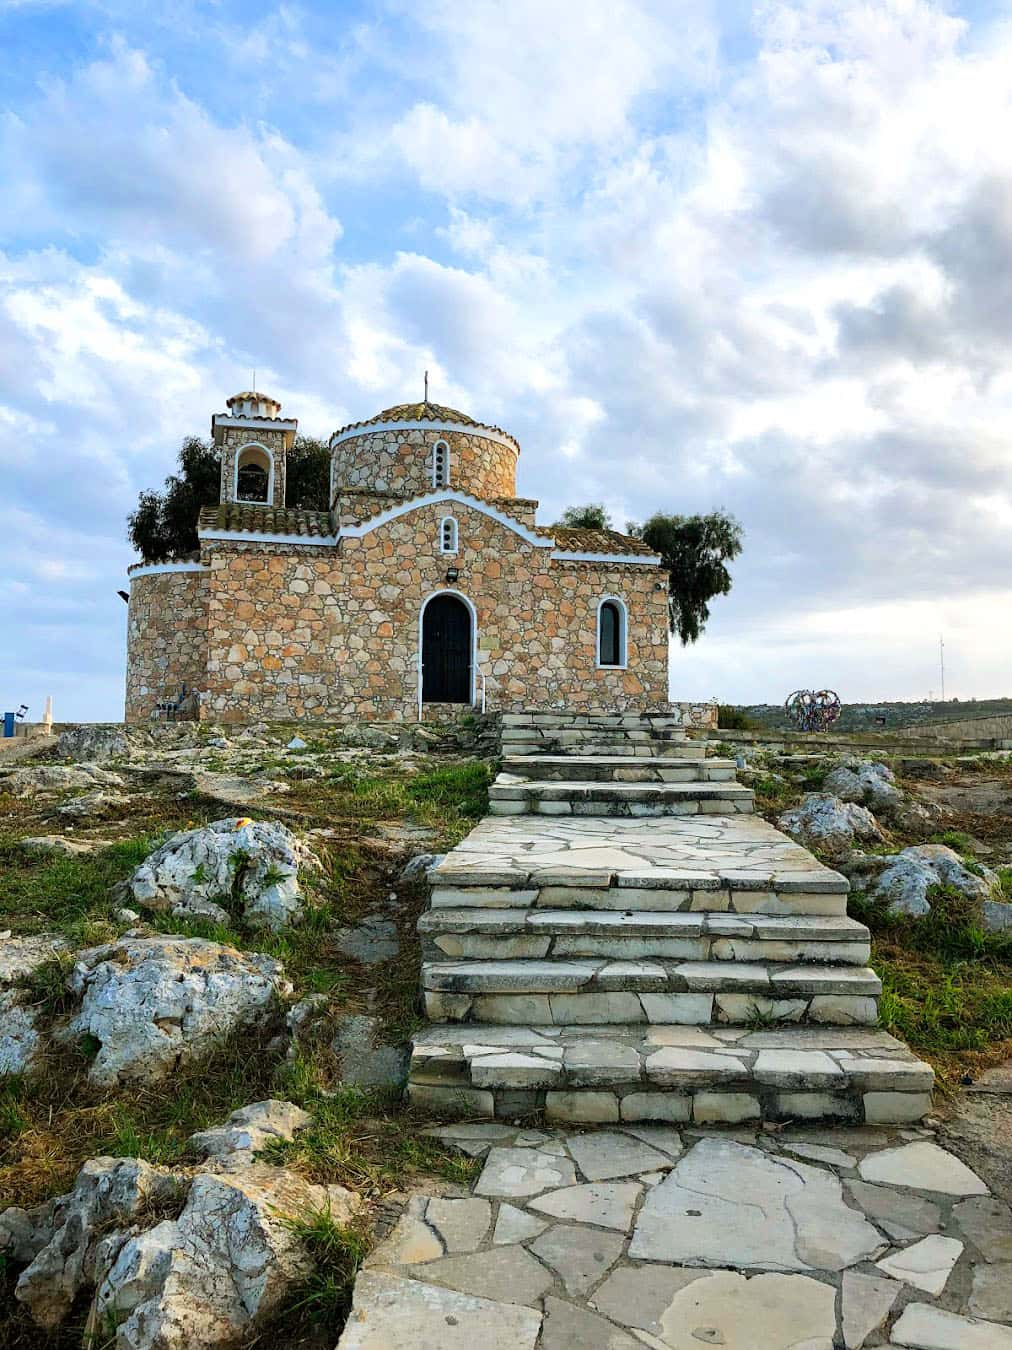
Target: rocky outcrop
[
  {"x": 154, "y": 1003},
  {"x": 867, "y": 783},
  {"x": 93, "y": 742},
  {"x": 905, "y": 879},
  {"x": 231, "y": 867},
  {"x": 19, "y": 1031},
  {"x": 172, "y": 1261},
  {"x": 63, "y": 1239},
  {"x": 251, "y": 1129},
  {"x": 831, "y": 826},
  {"x": 92, "y": 804},
  {"x": 59, "y": 778}
]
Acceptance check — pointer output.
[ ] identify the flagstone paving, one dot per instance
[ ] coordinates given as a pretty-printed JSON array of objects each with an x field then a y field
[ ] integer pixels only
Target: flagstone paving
[{"x": 647, "y": 1236}]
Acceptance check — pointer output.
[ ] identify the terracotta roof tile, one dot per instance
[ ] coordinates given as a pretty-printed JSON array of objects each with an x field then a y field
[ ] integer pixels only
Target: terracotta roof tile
[
  {"x": 597, "y": 541},
  {"x": 246, "y": 518},
  {"x": 422, "y": 412}
]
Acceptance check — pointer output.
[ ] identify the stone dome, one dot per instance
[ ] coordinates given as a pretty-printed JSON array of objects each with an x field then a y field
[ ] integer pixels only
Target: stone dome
[
  {"x": 437, "y": 413},
  {"x": 414, "y": 448}
]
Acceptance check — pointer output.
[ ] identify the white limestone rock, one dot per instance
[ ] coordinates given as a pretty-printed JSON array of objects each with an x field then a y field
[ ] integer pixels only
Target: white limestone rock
[
  {"x": 211, "y": 1276},
  {"x": 19, "y": 1034},
  {"x": 56, "y": 843},
  {"x": 153, "y": 1003},
  {"x": 251, "y": 866},
  {"x": 251, "y": 1129},
  {"x": 905, "y": 879},
  {"x": 48, "y": 778},
  {"x": 63, "y": 1236},
  {"x": 866, "y": 782},
  {"x": 832, "y": 826},
  {"x": 91, "y": 804},
  {"x": 92, "y": 742}
]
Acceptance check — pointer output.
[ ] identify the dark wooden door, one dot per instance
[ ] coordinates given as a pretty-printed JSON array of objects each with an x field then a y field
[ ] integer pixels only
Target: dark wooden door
[{"x": 446, "y": 651}]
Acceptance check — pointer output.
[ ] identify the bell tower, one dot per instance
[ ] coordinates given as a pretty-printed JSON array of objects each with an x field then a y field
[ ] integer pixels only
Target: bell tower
[{"x": 254, "y": 440}]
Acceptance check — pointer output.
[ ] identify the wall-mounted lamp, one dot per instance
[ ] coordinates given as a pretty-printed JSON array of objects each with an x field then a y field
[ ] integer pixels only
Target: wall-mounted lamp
[
  {"x": 124, "y": 597},
  {"x": 451, "y": 575}
]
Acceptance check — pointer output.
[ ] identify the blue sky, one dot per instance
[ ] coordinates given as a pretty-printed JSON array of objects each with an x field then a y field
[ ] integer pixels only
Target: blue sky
[{"x": 752, "y": 256}]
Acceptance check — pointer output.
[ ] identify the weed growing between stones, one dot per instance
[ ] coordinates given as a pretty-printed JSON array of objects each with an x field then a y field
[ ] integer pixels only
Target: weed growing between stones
[{"x": 338, "y": 1251}]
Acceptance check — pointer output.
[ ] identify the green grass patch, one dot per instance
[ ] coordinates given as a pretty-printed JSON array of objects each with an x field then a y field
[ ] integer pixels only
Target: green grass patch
[
  {"x": 46, "y": 892},
  {"x": 337, "y": 1250},
  {"x": 958, "y": 840},
  {"x": 946, "y": 983},
  {"x": 772, "y": 794},
  {"x": 360, "y": 1140}
]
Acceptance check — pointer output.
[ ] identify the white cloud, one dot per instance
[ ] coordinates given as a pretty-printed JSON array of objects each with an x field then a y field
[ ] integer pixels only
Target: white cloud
[{"x": 686, "y": 264}]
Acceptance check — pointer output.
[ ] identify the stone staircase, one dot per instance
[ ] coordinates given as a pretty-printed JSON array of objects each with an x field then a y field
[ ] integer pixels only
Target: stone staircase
[{"x": 622, "y": 939}]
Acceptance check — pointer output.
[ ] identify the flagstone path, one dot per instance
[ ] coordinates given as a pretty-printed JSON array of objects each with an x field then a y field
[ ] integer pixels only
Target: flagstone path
[
  {"x": 623, "y": 943},
  {"x": 646, "y": 1236}
]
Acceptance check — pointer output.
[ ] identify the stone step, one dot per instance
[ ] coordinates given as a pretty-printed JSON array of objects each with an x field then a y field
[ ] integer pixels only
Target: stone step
[
  {"x": 600, "y": 1074},
  {"x": 509, "y": 796},
  {"x": 619, "y": 768},
  {"x": 508, "y": 934},
  {"x": 737, "y": 864},
  {"x": 604, "y": 741},
  {"x": 554, "y": 721},
  {"x": 544, "y": 993}
]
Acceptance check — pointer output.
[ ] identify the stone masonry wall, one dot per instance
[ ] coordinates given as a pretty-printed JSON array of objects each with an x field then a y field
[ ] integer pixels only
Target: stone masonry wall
[
  {"x": 401, "y": 462},
  {"x": 166, "y": 639},
  {"x": 313, "y": 632}
]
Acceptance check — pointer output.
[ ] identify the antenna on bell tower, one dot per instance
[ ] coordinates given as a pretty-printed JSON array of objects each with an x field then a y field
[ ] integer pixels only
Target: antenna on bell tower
[{"x": 426, "y": 386}]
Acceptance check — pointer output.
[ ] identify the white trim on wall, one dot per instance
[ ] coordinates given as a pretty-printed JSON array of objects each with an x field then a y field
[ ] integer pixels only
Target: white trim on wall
[
  {"x": 650, "y": 560},
  {"x": 623, "y": 634},
  {"x": 249, "y": 537},
  {"x": 160, "y": 569},
  {"x": 254, "y": 445},
  {"x": 255, "y": 423},
  {"x": 371, "y": 428},
  {"x": 446, "y": 590},
  {"x": 449, "y": 495}
]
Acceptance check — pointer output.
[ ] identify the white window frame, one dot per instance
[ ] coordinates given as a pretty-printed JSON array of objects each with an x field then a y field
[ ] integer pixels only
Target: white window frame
[
  {"x": 454, "y": 535},
  {"x": 254, "y": 445},
  {"x": 441, "y": 480},
  {"x": 623, "y": 634}
]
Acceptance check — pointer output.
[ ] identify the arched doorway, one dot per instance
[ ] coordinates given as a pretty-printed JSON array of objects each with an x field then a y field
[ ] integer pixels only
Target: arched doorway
[{"x": 447, "y": 643}]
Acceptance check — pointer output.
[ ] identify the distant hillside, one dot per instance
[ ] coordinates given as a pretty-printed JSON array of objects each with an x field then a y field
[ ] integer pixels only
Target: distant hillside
[{"x": 888, "y": 716}]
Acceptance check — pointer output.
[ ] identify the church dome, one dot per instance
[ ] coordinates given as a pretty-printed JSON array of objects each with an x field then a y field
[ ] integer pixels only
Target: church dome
[
  {"x": 437, "y": 413},
  {"x": 412, "y": 448}
]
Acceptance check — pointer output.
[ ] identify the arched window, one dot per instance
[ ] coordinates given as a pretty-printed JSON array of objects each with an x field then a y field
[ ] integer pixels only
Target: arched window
[
  {"x": 611, "y": 633},
  {"x": 254, "y": 475},
  {"x": 440, "y": 464},
  {"x": 448, "y": 535}
]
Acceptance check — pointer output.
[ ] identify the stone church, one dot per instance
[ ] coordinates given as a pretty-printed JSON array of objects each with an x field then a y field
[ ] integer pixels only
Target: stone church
[{"x": 428, "y": 585}]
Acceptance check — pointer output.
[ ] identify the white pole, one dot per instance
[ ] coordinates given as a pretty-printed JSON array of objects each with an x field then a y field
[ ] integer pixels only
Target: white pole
[
  {"x": 941, "y": 662},
  {"x": 47, "y": 716}
]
